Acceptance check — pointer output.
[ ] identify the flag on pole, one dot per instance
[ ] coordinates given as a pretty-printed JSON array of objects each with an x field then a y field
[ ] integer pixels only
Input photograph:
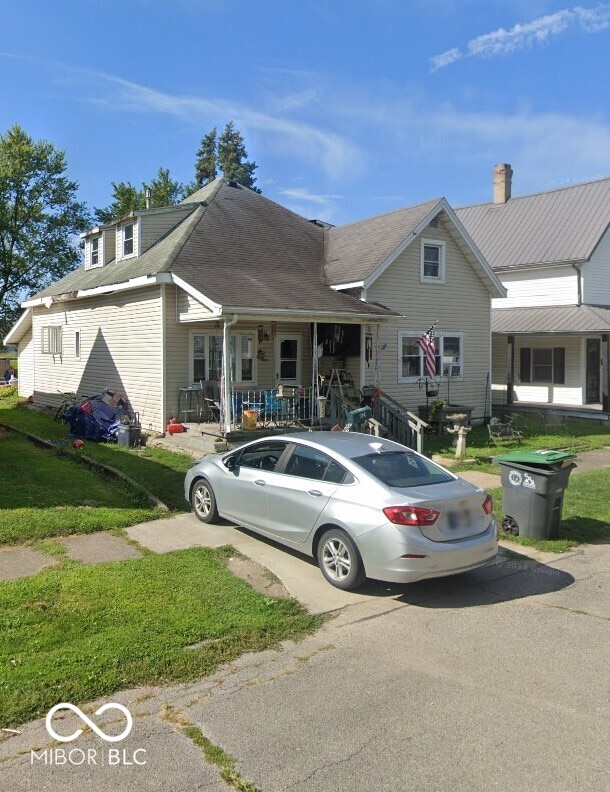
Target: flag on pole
[{"x": 426, "y": 343}]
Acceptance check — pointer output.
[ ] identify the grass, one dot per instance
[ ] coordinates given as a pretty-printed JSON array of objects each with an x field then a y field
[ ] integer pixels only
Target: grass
[
  {"x": 44, "y": 495},
  {"x": 159, "y": 471},
  {"x": 75, "y": 632}
]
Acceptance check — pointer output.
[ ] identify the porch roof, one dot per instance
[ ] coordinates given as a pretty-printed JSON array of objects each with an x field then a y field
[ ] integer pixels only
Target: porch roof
[{"x": 557, "y": 319}]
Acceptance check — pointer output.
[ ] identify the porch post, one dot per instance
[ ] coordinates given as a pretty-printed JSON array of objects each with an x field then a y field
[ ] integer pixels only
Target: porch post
[
  {"x": 226, "y": 373},
  {"x": 605, "y": 374},
  {"x": 511, "y": 369}
]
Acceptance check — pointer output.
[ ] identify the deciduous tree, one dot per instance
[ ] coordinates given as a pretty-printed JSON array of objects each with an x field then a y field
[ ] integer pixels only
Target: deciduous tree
[{"x": 40, "y": 217}]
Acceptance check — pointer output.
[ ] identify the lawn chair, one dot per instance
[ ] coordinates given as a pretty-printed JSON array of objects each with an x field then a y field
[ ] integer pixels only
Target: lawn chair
[{"x": 503, "y": 432}]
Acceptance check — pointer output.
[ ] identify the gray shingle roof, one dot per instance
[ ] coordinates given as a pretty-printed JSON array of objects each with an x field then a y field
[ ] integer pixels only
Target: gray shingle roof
[
  {"x": 354, "y": 251},
  {"x": 552, "y": 227},
  {"x": 557, "y": 319},
  {"x": 240, "y": 250}
]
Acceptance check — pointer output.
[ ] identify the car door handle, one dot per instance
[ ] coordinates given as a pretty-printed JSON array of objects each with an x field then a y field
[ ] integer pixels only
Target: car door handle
[
  {"x": 260, "y": 482},
  {"x": 315, "y": 493}
]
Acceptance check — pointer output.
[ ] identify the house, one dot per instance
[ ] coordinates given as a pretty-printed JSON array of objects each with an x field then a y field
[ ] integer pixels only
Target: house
[
  {"x": 162, "y": 294},
  {"x": 551, "y": 251}
]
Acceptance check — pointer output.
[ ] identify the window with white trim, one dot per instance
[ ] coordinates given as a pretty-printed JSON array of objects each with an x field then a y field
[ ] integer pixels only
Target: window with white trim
[
  {"x": 51, "y": 339},
  {"x": 449, "y": 356},
  {"x": 432, "y": 266},
  {"x": 77, "y": 344},
  {"x": 207, "y": 357},
  {"x": 127, "y": 237},
  {"x": 94, "y": 251}
]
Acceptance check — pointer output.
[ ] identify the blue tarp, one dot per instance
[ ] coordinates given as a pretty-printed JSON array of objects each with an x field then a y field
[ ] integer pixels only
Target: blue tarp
[{"x": 93, "y": 419}]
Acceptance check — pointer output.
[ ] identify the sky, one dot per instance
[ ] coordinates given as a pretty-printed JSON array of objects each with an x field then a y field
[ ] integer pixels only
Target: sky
[{"x": 350, "y": 108}]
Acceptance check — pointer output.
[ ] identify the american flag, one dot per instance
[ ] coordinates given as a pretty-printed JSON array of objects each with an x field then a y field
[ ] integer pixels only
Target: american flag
[{"x": 426, "y": 343}]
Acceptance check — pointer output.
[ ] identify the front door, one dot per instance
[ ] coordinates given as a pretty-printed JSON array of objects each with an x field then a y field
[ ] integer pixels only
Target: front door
[
  {"x": 593, "y": 371},
  {"x": 288, "y": 360}
]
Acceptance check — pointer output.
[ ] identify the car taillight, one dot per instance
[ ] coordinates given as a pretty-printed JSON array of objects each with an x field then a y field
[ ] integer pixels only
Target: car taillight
[
  {"x": 488, "y": 505},
  {"x": 410, "y": 515}
]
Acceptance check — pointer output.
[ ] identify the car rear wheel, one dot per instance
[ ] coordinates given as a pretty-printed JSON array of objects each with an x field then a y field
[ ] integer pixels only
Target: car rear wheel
[
  {"x": 340, "y": 561},
  {"x": 203, "y": 501}
]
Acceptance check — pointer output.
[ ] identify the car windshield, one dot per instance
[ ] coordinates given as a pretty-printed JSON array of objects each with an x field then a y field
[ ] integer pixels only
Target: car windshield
[{"x": 399, "y": 469}]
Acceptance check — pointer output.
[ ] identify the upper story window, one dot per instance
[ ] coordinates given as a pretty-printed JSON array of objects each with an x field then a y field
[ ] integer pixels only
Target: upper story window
[
  {"x": 128, "y": 240},
  {"x": 432, "y": 267},
  {"x": 94, "y": 251}
]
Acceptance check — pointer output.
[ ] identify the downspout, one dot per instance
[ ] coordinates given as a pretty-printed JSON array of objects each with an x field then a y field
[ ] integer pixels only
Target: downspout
[
  {"x": 578, "y": 284},
  {"x": 226, "y": 372}
]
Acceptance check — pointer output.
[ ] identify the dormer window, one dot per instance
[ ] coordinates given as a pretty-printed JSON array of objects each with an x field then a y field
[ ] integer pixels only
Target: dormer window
[
  {"x": 94, "y": 251},
  {"x": 127, "y": 244},
  {"x": 128, "y": 240}
]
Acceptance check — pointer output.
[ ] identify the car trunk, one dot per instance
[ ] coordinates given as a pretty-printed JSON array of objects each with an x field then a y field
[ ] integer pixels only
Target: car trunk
[{"x": 461, "y": 514}]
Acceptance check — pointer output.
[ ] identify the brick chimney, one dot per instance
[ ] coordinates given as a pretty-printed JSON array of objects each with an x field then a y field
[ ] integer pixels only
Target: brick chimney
[{"x": 503, "y": 175}]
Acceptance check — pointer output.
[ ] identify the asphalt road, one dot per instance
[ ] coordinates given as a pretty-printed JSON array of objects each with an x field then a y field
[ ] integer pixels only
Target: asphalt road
[{"x": 496, "y": 679}]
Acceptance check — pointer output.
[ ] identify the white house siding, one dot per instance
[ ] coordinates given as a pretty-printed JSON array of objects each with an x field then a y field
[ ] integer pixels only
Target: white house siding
[
  {"x": 178, "y": 346},
  {"x": 26, "y": 365},
  {"x": 500, "y": 371},
  {"x": 120, "y": 348},
  {"x": 189, "y": 309},
  {"x": 461, "y": 305},
  {"x": 571, "y": 392},
  {"x": 548, "y": 286},
  {"x": 595, "y": 280}
]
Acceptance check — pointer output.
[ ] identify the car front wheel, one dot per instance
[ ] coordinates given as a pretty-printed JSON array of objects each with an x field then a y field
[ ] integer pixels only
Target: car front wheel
[
  {"x": 203, "y": 501},
  {"x": 340, "y": 561}
]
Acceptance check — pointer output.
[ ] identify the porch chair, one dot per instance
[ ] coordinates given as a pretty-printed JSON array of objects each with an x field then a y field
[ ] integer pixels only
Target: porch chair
[{"x": 211, "y": 401}]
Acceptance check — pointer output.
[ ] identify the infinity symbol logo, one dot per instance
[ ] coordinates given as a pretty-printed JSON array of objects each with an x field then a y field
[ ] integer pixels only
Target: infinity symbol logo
[{"x": 89, "y": 722}]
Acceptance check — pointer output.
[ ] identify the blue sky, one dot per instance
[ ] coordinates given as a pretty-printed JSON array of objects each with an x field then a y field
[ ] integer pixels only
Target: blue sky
[{"x": 350, "y": 108}]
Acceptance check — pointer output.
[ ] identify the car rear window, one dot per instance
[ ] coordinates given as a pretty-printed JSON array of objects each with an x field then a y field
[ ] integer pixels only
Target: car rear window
[{"x": 397, "y": 469}]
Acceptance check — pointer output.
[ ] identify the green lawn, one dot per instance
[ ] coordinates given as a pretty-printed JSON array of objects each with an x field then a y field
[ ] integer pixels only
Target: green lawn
[
  {"x": 78, "y": 632},
  {"x": 45, "y": 494}
]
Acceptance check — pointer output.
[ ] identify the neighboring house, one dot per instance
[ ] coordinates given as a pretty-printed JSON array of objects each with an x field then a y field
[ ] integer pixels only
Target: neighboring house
[
  {"x": 162, "y": 293},
  {"x": 552, "y": 252}
]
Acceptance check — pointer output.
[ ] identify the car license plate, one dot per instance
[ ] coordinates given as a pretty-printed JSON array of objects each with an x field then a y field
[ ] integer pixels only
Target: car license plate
[{"x": 459, "y": 519}]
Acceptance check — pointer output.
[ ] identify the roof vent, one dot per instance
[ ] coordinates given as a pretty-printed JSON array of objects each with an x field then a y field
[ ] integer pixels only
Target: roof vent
[{"x": 434, "y": 222}]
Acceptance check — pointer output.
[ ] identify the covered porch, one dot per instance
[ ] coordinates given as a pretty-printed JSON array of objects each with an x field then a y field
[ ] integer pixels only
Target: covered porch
[
  {"x": 552, "y": 359},
  {"x": 253, "y": 373}
]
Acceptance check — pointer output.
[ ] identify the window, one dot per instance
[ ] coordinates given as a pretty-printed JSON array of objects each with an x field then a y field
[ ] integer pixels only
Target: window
[
  {"x": 432, "y": 261},
  {"x": 207, "y": 358},
  {"x": 128, "y": 240},
  {"x": 449, "y": 357},
  {"x": 77, "y": 344},
  {"x": 94, "y": 252},
  {"x": 308, "y": 463},
  {"x": 542, "y": 365},
  {"x": 396, "y": 469},
  {"x": 51, "y": 340},
  {"x": 264, "y": 456}
]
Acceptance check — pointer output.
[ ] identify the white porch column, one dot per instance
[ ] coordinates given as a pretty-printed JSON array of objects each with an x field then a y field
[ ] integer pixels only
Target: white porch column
[{"x": 226, "y": 372}]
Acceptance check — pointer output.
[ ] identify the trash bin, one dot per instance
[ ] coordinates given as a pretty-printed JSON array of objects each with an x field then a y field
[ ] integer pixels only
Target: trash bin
[
  {"x": 128, "y": 435},
  {"x": 533, "y": 484}
]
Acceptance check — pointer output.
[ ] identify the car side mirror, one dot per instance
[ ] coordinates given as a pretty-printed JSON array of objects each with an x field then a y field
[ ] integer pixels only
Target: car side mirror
[{"x": 229, "y": 463}]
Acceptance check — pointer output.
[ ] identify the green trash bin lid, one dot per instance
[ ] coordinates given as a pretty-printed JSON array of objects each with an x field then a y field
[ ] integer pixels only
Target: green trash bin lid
[{"x": 538, "y": 458}]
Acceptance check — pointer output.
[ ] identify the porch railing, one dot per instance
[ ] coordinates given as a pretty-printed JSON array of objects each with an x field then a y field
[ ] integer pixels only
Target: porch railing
[
  {"x": 274, "y": 406},
  {"x": 401, "y": 425}
]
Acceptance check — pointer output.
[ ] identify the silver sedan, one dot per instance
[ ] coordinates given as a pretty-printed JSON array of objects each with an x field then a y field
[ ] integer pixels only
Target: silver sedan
[{"x": 362, "y": 506}]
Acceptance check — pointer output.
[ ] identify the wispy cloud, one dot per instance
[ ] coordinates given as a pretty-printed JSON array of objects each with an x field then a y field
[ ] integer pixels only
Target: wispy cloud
[
  {"x": 521, "y": 35},
  {"x": 334, "y": 154}
]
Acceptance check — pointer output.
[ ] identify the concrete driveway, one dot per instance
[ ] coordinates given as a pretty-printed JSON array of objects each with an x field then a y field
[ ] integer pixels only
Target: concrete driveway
[{"x": 496, "y": 679}]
